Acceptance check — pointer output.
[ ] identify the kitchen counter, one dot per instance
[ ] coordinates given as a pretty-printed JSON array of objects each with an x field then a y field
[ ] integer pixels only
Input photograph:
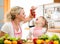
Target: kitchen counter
[
  {"x": 57, "y": 30},
  {"x": 28, "y": 43},
  {"x": 52, "y": 31}
]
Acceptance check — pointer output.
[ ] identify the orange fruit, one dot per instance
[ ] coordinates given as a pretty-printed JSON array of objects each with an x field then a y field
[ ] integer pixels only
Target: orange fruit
[{"x": 14, "y": 42}]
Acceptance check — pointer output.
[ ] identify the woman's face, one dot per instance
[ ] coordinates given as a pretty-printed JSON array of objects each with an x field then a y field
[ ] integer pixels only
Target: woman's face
[
  {"x": 21, "y": 16},
  {"x": 40, "y": 21}
]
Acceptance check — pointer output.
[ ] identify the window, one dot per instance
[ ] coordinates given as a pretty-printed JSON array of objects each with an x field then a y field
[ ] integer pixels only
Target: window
[{"x": 4, "y": 7}]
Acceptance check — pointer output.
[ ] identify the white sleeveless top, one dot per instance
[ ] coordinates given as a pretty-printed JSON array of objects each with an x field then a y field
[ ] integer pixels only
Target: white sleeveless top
[{"x": 8, "y": 28}]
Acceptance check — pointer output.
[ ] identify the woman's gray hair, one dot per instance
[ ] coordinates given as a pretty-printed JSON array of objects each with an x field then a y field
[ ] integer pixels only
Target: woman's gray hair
[{"x": 11, "y": 15}]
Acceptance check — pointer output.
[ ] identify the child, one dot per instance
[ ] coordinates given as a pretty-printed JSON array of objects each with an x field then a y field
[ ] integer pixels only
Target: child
[{"x": 40, "y": 28}]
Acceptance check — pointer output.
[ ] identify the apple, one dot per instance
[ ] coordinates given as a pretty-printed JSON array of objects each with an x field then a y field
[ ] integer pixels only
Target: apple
[
  {"x": 34, "y": 40},
  {"x": 51, "y": 42},
  {"x": 19, "y": 41}
]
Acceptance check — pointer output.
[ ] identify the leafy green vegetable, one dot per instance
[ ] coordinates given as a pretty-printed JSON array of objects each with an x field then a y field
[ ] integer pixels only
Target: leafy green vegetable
[
  {"x": 13, "y": 39},
  {"x": 54, "y": 37},
  {"x": 6, "y": 35},
  {"x": 44, "y": 37},
  {"x": 1, "y": 41}
]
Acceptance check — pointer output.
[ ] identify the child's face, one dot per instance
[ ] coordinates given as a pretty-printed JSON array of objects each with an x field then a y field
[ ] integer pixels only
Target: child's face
[{"x": 40, "y": 21}]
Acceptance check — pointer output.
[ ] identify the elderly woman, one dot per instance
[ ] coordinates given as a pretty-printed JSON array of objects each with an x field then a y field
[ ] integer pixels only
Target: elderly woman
[{"x": 15, "y": 16}]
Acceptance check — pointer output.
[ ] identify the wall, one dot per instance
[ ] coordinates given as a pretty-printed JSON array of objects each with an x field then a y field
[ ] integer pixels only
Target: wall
[
  {"x": 1, "y": 12},
  {"x": 26, "y": 4},
  {"x": 4, "y": 7}
]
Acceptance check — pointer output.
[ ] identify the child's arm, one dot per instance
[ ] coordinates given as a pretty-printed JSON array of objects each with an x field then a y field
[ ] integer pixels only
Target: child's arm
[
  {"x": 44, "y": 30},
  {"x": 30, "y": 35}
]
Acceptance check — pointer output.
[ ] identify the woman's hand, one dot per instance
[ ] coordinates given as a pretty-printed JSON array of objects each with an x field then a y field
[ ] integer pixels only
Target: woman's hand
[{"x": 32, "y": 12}]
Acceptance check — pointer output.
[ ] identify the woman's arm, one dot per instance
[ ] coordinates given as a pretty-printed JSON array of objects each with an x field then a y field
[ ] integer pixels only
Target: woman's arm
[
  {"x": 32, "y": 14},
  {"x": 30, "y": 35},
  {"x": 28, "y": 19},
  {"x": 2, "y": 33},
  {"x": 4, "y": 30}
]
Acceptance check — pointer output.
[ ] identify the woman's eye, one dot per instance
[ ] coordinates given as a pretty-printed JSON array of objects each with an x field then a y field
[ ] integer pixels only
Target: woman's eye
[
  {"x": 23, "y": 13},
  {"x": 36, "y": 19}
]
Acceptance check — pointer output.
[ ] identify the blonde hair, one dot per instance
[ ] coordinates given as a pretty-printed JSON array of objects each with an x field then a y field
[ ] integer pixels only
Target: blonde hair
[{"x": 11, "y": 15}]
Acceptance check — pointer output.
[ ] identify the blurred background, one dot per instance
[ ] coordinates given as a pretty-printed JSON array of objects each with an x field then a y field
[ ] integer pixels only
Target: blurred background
[
  {"x": 44, "y": 8},
  {"x": 5, "y": 5}
]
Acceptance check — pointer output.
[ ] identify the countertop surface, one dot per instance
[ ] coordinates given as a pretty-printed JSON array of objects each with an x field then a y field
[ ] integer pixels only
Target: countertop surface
[
  {"x": 52, "y": 31},
  {"x": 57, "y": 30}
]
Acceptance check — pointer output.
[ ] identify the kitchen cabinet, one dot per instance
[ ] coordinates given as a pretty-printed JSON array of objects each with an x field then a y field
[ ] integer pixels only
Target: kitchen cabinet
[
  {"x": 50, "y": 12},
  {"x": 52, "y": 15},
  {"x": 57, "y": 1}
]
